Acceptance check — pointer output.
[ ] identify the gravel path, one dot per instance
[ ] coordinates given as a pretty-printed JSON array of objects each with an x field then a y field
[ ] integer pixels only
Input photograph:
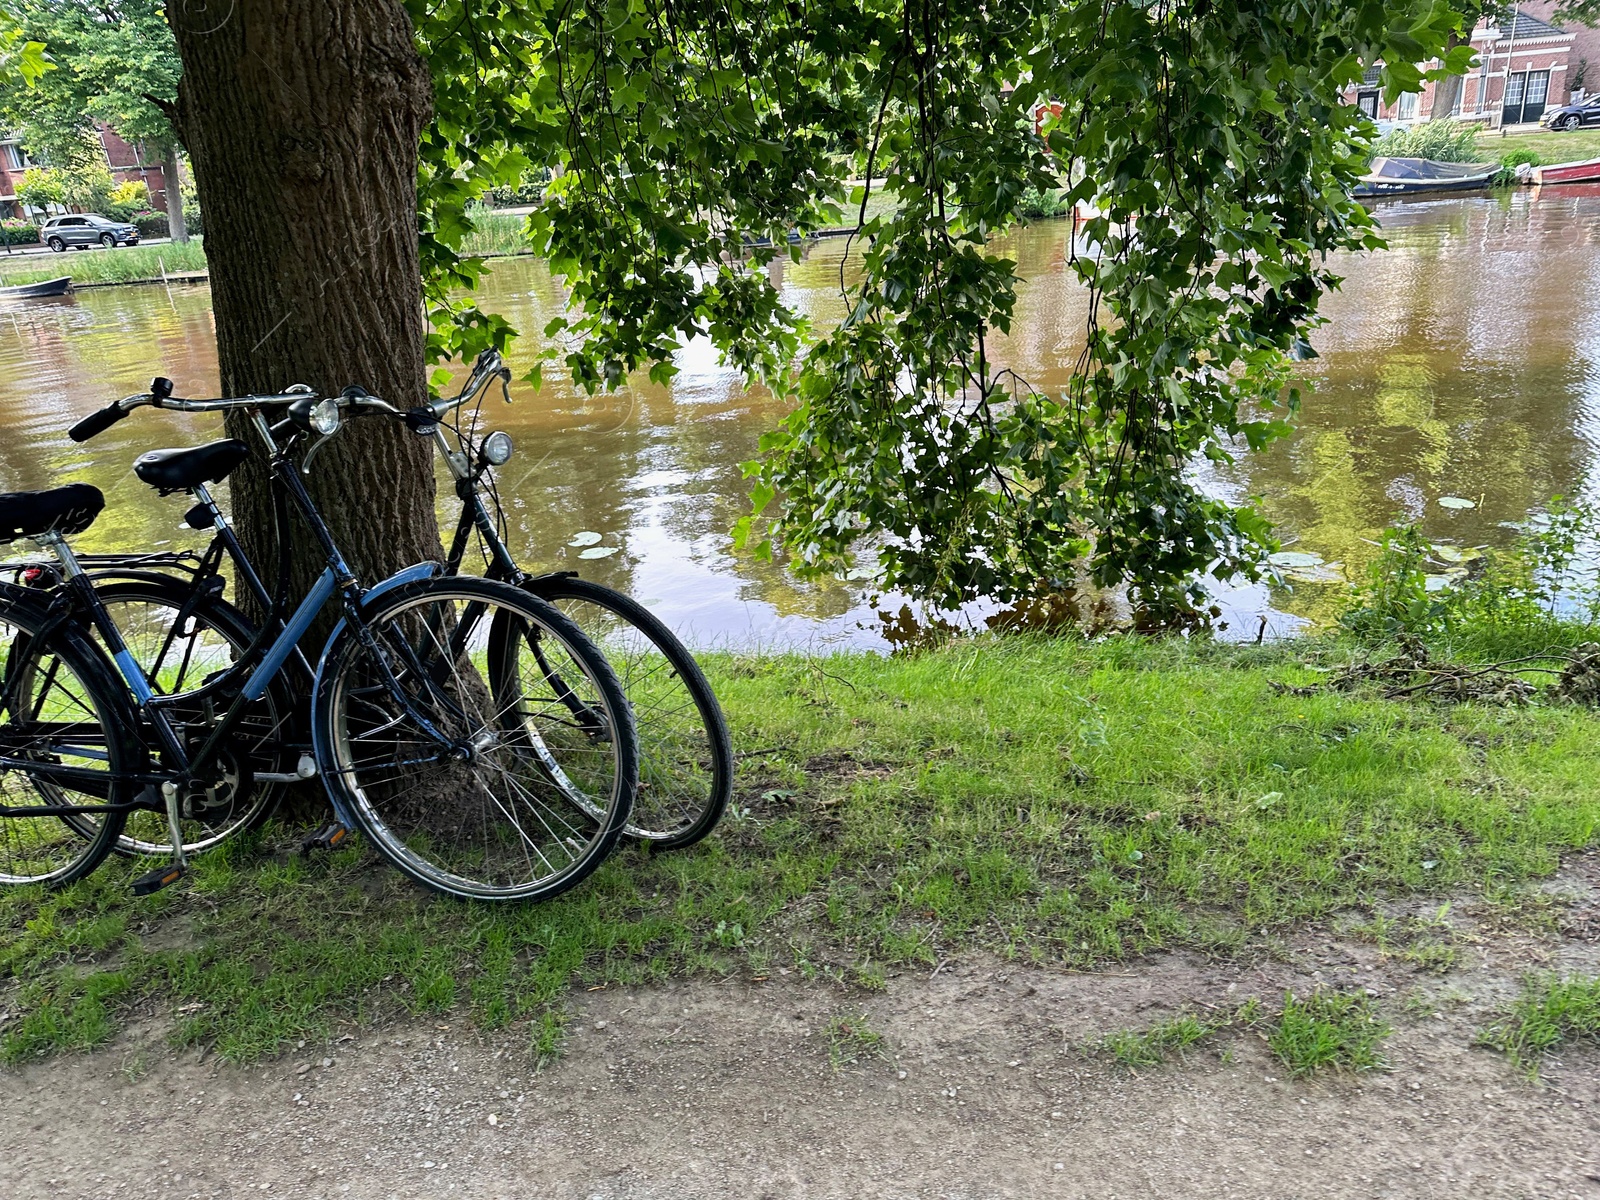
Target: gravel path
[{"x": 981, "y": 1089}]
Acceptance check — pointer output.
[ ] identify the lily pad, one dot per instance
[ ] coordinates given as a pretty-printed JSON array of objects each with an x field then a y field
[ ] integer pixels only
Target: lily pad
[
  {"x": 1455, "y": 502},
  {"x": 599, "y": 552},
  {"x": 1294, "y": 558},
  {"x": 586, "y": 538},
  {"x": 1323, "y": 573},
  {"x": 1455, "y": 554},
  {"x": 1438, "y": 583}
]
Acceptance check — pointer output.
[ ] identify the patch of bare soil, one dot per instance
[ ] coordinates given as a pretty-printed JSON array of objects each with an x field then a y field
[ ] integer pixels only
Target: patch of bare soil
[{"x": 981, "y": 1088}]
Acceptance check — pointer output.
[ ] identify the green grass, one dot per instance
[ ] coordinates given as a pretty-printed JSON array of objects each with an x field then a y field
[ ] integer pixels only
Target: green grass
[
  {"x": 1550, "y": 1012},
  {"x": 851, "y": 1040},
  {"x": 1550, "y": 147},
  {"x": 1328, "y": 1029},
  {"x": 496, "y": 233},
  {"x": 1152, "y": 1047},
  {"x": 126, "y": 264},
  {"x": 1050, "y": 801}
]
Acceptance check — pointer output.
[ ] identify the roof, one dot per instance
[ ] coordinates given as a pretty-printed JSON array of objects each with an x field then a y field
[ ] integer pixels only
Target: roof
[{"x": 1525, "y": 27}]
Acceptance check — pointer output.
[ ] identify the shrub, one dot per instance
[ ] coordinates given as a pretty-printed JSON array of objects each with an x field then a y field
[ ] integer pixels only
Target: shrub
[
  {"x": 151, "y": 224},
  {"x": 1442, "y": 141},
  {"x": 1037, "y": 203},
  {"x": 1507, "y": 174},
  {"x": 1395, "y": 599},
  {"x": 19, "y": 233},
  {"x": 1542, "y": 591},
  {"x": 505, "y": 197}
]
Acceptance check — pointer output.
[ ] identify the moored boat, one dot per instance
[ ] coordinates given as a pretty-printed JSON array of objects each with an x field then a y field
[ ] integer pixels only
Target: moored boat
[
  {"x": 1586, "y": 171},
  {"x": 45, "y": 287},
  {"x": 1411, "y": 176}
]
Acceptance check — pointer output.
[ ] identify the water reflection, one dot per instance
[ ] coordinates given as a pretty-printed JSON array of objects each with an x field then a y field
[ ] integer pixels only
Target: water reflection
[{"x": 1459, "y": 362}]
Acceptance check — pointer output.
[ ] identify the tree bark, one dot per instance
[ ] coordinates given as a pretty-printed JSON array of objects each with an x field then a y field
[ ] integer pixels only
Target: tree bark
[
  {"x": 302, "y": 119},
  {"x": 176, "y": 229}
]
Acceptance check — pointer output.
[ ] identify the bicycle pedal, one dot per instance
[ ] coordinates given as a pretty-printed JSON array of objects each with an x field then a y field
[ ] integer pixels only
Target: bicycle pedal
[
  {"x": 329, "y": 837},
  {"x": 152, "y": 882}
]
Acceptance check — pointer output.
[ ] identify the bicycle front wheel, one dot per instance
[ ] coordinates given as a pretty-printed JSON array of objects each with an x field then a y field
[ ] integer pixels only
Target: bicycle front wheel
[
  {"x": 479, "y": 739},
  {"x": 685, "y": 759}
]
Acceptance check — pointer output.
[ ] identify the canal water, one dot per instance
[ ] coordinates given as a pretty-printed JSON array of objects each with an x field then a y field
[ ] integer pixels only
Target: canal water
[{"x": 1463, "y": 362}]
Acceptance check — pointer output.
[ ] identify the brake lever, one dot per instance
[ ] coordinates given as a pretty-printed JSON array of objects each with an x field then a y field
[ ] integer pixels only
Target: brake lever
[{"x": 505, "y": 383}]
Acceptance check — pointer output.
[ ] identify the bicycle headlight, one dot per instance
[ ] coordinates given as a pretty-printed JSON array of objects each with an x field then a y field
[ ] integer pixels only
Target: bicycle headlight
[
  {"x": 497, "y": 449},
  {"x": 325, "y": 417}
]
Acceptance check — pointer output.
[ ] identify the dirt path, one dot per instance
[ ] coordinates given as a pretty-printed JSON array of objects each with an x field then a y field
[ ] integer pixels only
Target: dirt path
[{"x": 729, "y": 1090}]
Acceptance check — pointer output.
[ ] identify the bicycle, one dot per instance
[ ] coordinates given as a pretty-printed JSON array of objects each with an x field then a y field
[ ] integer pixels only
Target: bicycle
[
  {"x": 685, "y": 754},
  {"x": 428, "y": 728}
]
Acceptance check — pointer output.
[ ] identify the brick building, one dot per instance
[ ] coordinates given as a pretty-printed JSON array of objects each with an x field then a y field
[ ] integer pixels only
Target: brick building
[
  {"x": 124, "y": 160},
  {"x": 1521, "y": 67}
]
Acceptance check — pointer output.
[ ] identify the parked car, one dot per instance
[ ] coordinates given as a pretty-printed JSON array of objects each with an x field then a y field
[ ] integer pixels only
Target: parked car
[
  {"x": 86, "y": 229},
  {"x": 1572, "y": 116}
]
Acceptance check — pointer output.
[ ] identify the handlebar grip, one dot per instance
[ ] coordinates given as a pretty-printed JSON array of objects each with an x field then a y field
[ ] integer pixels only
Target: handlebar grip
[{"x": 96, "y": 423}]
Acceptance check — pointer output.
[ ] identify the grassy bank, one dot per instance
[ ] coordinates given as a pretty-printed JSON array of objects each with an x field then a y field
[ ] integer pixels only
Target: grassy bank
[
  {"x": 126, "y": 264},
  {"x": 496, "y": 233},
  {"x": 1052, "y": 801},
  {"x": 1550, "y": 147}
]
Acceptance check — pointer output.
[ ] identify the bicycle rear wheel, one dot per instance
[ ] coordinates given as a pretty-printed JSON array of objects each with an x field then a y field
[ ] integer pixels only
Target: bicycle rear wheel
[
  {"x": 479, "y": 739},
  {"x": 63, "y": 706},
  {"x": 685, "y": 759}
]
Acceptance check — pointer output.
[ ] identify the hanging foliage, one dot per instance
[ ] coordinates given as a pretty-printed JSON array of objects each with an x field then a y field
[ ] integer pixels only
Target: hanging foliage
[{"x": 689, "y": 144}]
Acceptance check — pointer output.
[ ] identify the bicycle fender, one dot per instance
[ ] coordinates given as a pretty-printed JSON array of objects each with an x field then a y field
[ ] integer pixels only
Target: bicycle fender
[{"x": 412, "y": 574}]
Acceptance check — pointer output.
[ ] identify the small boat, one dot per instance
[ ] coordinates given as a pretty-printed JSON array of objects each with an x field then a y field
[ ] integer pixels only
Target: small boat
[
  {"x": 1410, "y": 176},
  {"x": 1587, "y": 171},
  {"x": 30, "y": 291}
]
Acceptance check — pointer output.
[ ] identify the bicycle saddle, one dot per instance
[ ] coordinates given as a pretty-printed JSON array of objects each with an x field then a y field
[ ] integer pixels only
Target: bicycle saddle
[
  {"x": 65, "y": 510},
  {"x": 188, "y": 466}
]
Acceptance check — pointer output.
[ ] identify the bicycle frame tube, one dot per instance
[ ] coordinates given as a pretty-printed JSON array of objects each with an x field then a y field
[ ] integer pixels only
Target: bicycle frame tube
[{"x": 293, "y": 630}]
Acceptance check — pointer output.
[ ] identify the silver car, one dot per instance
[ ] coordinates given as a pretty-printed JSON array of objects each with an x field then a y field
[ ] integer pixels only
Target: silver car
[{"x": 86, "y": 229}]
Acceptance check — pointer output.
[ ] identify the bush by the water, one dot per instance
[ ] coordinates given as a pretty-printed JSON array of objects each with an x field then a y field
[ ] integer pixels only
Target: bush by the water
[
  {"x": 1039, "y": 202},
  {"x": 1442, "y": 141},
  {"x": 1541, "y": 593},
  {"x": 1507, "y": 174}
]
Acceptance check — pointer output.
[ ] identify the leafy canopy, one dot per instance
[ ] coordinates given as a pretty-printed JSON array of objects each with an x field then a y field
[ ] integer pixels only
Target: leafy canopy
[
  {"x": 108, "y": 57},
  {"x": 690, "y": 142}
]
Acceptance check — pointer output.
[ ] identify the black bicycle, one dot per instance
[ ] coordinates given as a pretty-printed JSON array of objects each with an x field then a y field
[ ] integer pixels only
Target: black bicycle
[
  {"x": 685, "y": 755},
  {"x": 469, "y": 729}
]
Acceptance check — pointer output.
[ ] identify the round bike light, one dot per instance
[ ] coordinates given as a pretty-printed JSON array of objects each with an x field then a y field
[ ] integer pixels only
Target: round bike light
[
  {"x": 325, "y": 417},
  {"x": 497, "y": 449}
]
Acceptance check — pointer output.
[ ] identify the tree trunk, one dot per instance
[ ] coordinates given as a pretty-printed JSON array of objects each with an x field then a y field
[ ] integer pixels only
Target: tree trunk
[
  {"x": 176, "y": 229},
  {"x": 1447, "y": 92},
  {"x": 302, "y": 120}
]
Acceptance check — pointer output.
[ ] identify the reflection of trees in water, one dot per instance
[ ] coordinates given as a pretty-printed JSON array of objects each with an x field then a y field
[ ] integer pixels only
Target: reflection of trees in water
[{"x": 1451, "y": 366}]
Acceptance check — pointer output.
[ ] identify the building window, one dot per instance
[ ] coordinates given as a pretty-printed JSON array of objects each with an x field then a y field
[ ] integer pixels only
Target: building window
[{"x": 1406, "y": 110}]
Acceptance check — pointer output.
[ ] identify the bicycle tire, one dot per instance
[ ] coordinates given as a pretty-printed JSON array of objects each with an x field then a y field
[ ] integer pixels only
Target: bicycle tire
[
  {"x": 393, "y": 792},
  {"x": 685, "y": 767},
  {"x": 261, "y": 735},
  {"x": 91, "y": 707}
]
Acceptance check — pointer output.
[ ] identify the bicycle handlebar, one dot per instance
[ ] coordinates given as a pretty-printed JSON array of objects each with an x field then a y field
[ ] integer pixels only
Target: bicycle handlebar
[
  {"x": 98, "y": 422},
  {"x": 488, "y": 366}
]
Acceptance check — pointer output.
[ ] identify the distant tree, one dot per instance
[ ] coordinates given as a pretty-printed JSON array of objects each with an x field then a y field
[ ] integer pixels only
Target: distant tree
[
  {"x": 116, "y": 64},
  {"x": 41, "y": 187}
]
